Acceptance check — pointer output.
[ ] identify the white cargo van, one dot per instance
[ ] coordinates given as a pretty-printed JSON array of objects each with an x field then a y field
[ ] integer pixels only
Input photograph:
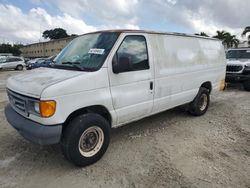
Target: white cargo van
[{"x": 106, "y": 79}]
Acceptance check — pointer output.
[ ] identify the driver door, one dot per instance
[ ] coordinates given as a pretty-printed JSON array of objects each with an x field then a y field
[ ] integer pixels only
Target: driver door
[{"x": 132, "y": 86}]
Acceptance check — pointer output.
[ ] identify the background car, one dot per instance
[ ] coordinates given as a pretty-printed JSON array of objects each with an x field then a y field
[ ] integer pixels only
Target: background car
[
  {"x": 36, "y": 63},
  {"x": 39, "y": 62},
  {"x": 12, "y": 62}
]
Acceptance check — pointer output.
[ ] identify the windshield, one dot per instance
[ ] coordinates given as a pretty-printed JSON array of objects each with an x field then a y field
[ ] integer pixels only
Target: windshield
[
  {"x": 87, "y": 52},
  {"x": 238, "y": 54}
]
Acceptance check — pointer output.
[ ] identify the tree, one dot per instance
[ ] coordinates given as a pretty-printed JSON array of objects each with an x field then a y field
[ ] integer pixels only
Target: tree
[
  {"x": 231, "y": 41},
  {"x": 56, "y": 33},
  {"x": 245, "y": 32},
  {"x": 221, "y": 35},
  {"x": 8, "y": 48},
  {"x": 202, "y": 34},
  {"x": 228, "y": 40}
]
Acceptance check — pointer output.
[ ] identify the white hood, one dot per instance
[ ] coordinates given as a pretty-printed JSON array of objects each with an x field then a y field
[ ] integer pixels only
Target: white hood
[{"x": 33, "y": 82}]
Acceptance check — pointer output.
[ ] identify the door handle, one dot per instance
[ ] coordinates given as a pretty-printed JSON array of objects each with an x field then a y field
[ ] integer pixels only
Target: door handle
[{"x": 151, "y": 85}]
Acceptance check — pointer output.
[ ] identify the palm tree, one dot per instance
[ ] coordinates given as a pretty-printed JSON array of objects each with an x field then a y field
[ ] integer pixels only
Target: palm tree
[
  {"x": 245, "y": 32},
  {"x": 228, "y": 40},
  {"x": 231, "y": 41},
  {"x": 221, "y": 35},
  {"x": 202, "y": 34}
]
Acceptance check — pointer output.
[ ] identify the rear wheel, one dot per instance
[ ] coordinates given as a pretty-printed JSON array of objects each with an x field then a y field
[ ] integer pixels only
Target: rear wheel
[
  {"x": 201, "y": 102},
  {"x": 19, "y": 67},
  {"x": 246, "y": 85},
  {"x": 85, "y": 139}
]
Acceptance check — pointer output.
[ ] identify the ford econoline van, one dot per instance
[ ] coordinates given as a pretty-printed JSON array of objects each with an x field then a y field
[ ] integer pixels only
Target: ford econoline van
[{"x": 106, "y": 79}]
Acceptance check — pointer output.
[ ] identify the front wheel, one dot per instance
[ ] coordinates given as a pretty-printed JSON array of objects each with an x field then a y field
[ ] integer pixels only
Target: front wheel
[
  {"x": 19, "y": 67},
  {"x": 85, "y": 139},
  {"x": 201, "y": 102},
  {"x": 246, "y": 85}
]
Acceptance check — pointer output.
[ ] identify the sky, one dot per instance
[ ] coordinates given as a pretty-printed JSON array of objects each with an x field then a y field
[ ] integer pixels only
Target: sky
[{"x": 23, "y": 21}]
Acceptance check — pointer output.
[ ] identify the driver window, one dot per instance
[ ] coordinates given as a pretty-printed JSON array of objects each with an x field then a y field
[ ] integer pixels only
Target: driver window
[{"x": 132, "y": 54}]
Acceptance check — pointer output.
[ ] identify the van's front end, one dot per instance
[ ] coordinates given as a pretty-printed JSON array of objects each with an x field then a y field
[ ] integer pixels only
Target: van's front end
[
  {"x": 44, "y": 103},
  {"x": 35, "y": 116}
]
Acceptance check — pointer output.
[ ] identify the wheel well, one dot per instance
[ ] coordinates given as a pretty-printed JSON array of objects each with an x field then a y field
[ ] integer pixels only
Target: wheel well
[
  {"x": 98, "y": 109},
  {"x": 207, "y": 85}
]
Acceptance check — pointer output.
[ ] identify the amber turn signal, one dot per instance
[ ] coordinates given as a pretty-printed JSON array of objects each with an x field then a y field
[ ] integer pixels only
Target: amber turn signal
[{"x": 47, "y": 108}]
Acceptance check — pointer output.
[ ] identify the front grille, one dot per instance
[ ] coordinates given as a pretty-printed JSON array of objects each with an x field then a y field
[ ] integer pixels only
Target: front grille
[
  {"x": 17, "y": 101},
  {"x": 234, "y": 68}
]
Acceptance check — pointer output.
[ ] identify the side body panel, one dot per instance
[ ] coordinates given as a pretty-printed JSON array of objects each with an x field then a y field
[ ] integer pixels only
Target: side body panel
[{"x": 182, "y": 64}]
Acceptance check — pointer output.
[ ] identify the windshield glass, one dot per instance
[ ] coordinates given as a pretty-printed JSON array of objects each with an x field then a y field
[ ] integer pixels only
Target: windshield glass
[
  {"x": 238, "y": 54},
  {"x": 87, "y": 52}
]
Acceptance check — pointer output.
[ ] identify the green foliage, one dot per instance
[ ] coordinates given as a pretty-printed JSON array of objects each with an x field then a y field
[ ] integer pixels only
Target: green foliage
[
  {"x": 56, "y": 33},
  {"x": 228, "y": 40},
  {"x": 8, "y": 48},
  {"x": 202, "y": 34}
]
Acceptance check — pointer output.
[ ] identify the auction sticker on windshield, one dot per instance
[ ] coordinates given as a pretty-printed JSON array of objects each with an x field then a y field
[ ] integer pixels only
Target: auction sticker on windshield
[{"x": 96, "y": 51}]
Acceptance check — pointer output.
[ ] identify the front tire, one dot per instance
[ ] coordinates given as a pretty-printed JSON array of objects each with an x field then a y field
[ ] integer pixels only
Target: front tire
[
  {"x": 85, "y": 139},
  {"x": 19, "y": 67},
  {"x": 246, "y": 85},
  {"x": 201, "y": 102}
]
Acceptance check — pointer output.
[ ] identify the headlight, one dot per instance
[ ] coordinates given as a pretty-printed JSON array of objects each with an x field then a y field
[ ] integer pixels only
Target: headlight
[
  {"x": 37, "y": 107},
  {"x": 43, "y": 108},
  {"x": 247, "y": 67}
]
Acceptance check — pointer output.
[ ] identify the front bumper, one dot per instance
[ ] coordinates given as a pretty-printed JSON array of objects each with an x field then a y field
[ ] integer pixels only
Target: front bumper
[
  {"x": 231, "y": 77},
  {"x": 32, "y": 131}
]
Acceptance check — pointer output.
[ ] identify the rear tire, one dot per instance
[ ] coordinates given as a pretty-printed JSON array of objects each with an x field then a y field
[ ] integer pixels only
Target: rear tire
[
  {"x": 200, "y": 103},
  {"x": 246, "y": 85},
  {"x": 85, "y": 139},
  {"x": 19, "y": 67}
]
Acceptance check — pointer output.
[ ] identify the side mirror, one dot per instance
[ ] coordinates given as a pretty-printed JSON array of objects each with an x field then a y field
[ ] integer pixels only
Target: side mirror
[{"x": 122, "y": 64}]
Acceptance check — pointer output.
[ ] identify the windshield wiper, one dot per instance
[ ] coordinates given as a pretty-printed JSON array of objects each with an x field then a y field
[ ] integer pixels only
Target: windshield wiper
[
  {"x": 70, "y": 63},
  {"x": 74, "y": 64}
]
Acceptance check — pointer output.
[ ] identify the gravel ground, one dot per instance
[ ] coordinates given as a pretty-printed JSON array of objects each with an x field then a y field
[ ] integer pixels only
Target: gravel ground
[{"x": 171, "y": 149}]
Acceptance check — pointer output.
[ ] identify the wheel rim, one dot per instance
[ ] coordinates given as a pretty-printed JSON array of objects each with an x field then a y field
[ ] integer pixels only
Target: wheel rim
[
  {"x": 203, "y": 102},
  {"x": 91, "y": 141}
]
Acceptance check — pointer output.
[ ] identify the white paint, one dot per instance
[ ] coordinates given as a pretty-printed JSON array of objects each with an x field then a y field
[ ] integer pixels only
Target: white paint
[{"x": 178, "y": 67}]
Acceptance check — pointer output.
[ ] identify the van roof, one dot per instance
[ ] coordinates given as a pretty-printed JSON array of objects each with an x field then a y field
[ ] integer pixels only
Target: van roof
[{"x": 153, "y": 32}]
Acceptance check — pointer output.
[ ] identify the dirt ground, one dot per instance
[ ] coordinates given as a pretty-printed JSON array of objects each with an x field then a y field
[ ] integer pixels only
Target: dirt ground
[{"x": 171, "y": 149}]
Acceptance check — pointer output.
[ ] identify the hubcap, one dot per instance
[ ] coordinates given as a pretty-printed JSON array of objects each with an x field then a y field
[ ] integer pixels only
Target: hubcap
[
  {"x": 203, "y": 102},
  {"x": 91, "y": 141}
]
